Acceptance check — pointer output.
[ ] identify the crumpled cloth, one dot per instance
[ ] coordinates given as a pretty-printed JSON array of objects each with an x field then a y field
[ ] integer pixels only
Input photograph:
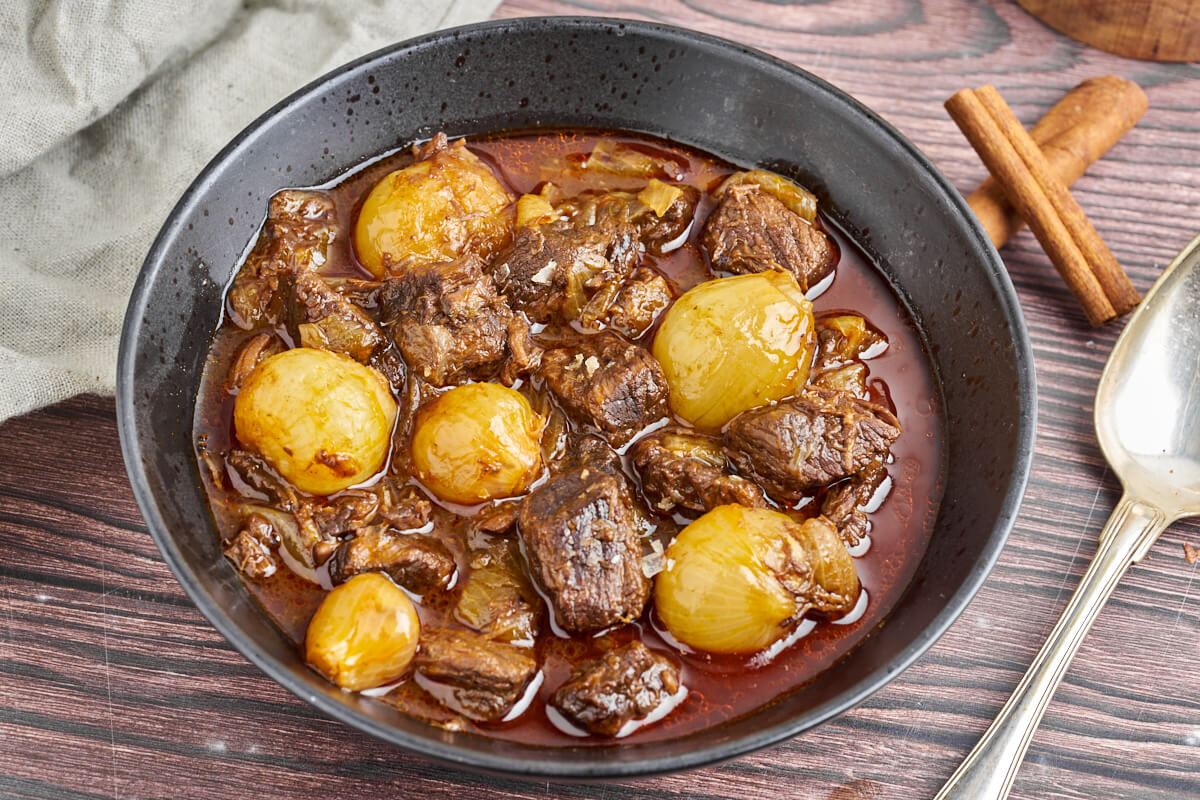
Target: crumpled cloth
[{"x": 108, "y": 110}]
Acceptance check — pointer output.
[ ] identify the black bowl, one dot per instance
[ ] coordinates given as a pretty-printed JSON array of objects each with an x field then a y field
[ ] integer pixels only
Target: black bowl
[{"x": 731, "y": 101}]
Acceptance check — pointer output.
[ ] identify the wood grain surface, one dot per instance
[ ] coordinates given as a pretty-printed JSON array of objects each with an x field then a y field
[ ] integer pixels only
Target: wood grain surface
[
  {"x": 113, "y": 686},
  {"x": 1153, "y": 29}
]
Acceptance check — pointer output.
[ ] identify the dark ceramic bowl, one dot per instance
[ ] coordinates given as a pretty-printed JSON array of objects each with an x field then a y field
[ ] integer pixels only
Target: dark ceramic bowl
[{"x": 694, "y": 89}]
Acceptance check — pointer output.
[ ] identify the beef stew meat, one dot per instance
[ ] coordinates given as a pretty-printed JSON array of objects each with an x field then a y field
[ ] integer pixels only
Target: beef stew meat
[
  {"x": 510, "y": 290},
  {"x": 554, "y": 268},
  {"x": 625, "y": 684},
  {"x": 808, "y": 441},
  {"x": 418, "y": 563},
  {"x": 587, "y": 450},
  {"x": 682, "y": 468},
  {"x": 480, "y": 678},
  {"x": 295, "y": 238},
  {"x": 845, "y": 503},
  {"x": 753, "y": 231},
  {"x": 662, "y": 233},
  {"x": 320, "y": 317},
  {"x": 251, "y": 551},
  {"x": 581, "y": 539},
  {"x": 611, "y": 384},
  {"x": 576, "y": 264},
  {"x": 451, "y": 325},
  {"x": 638, "y": 303}
]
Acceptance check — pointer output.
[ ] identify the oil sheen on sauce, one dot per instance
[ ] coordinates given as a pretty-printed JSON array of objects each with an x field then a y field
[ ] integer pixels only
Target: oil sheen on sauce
[{"x": 720, "y": 688}]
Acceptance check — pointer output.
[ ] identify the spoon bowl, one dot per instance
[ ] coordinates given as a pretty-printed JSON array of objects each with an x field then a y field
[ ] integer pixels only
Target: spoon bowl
[{"x": 1148, "y": 399}]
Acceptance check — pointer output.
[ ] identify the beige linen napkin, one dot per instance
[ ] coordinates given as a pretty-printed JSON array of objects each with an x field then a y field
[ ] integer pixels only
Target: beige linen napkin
[{"x": 108, "y": 109}]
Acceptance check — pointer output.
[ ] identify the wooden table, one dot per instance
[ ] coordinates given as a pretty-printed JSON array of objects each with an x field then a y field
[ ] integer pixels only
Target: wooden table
[{"x": 113, "y": 685}]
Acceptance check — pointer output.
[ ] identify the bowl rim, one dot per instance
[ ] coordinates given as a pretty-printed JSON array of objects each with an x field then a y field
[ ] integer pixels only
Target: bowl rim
[{"x": 546, "y": 766}]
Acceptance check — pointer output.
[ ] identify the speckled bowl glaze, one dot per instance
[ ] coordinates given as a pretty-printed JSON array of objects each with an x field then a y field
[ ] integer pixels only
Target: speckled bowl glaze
[{"x": 712, "y": 94}]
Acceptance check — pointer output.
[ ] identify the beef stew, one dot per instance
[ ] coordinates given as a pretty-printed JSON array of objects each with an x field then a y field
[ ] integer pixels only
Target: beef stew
[{"x": 533, "y": 563}]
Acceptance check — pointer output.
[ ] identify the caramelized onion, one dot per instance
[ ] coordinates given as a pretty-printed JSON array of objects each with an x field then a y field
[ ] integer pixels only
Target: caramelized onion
[
  {"x": 733, "y": 344},
  {"x": 738, "y": 578},
  {"x": 433, "y": 210},
  {"x": 364, "y": 633},
  {"x": 659, "y": 196},
  {"x": 533, "y": 209},
  {"x": 321, "y": 419},
  {"x": 617, "y": 158},
  {"x": 477, "y": 442}
]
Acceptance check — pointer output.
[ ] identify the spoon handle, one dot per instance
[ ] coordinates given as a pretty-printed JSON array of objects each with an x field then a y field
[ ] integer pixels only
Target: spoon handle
[{"x": 989, "y": 769}]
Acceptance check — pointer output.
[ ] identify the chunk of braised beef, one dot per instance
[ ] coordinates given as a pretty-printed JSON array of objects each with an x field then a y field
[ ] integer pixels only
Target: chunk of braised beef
[
  {"x": 477, "y": 677},
  {"x": 553, "y": 269},
  {"x": 363, "y": 292},
  {"x": 295, "y": 237},
  {"x": 680, "y": 467},
  {"x": 576, "y": 266},
  {"x": 319, "y": 316},
  {"x": 842, "y": 340},
  {"x": 664, "y": 234},
  {"x": 450, "y": 324},
  {"x": 750, "y": 230},
  {"x": 843, "y": 503},
  {"x": 624, "y": 684},
  {"x": 252, "y": 550},
  {"x": 420, "y": 564},
  {"x": 524, "y": 353},
  {"x": 607, "y": 382},
  {"x": 279, "y": 282},
  {"x": 587, "y": 450},
  {"x": 403, "y": 507},
  {"x": 581, "y": 540},
  {"x": 497, "y": 517},
  {"x": 258, "y": 475},
  {"x": 810, "y": 440},
  {"x": 638, "y": 302},
  {"x": 347, "y": 512},
  {"x": 390, "y": 364}
]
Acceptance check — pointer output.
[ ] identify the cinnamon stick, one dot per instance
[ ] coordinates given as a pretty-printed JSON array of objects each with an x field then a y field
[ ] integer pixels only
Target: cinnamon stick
[
  {"x": 1074, "y": 134},
  {"x": 1113, "y": 280},
  {"x": 1028, "y": 197}
]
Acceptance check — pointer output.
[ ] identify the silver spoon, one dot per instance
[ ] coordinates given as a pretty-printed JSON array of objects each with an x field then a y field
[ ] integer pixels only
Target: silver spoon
[{"x": 1148, "y": 423}]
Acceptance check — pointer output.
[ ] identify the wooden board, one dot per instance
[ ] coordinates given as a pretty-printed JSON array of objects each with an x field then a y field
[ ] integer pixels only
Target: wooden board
[
  {"x": 1157, "y": 30},
  {"x": 113, "y": 686}
]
